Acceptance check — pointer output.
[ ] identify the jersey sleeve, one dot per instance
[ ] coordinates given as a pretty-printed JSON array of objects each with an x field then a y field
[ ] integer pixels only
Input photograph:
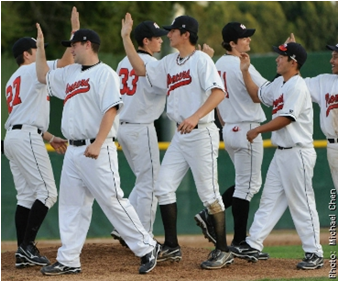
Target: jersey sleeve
[
  {"x": 208, "y": 74},
  {"x": 266, "y": 93},
  {"x": 294, "y": 100},
  {"x": 156, "y": 73},
  {"x": 313, "y": 87},
  {"x": 109, "y": 90},
  {"x": 56, "y": 81}
]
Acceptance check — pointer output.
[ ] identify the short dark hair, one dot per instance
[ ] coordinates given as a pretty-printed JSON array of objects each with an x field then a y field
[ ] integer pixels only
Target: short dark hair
[
  {"x": 290, "y": 59},
  {"x": 20, "y": 59},
  {"x": 193, "y": 36},
  {"x": 140, "y": 42},
  {"x": 227, "y": 45},
  {"x": 95, "y": 46}
]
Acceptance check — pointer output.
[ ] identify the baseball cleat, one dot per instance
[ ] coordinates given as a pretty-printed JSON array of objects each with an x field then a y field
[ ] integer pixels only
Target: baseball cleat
[
  {"x": 244, "y": 251},
  {"x": 263, "y": 256},
  {"x": 31, "y": 255},
  {"x": 22, "y": 262},
  {"x": 116, "y": 236},
  {"x": 149, "y": 261},
  {"x": 217, "y": 259},
  {"x": 311, "y": 261},
  {"x": 167, "y": 253},
  {"x": 59, "y": 269},
  {"x": 204, "y": 221}
]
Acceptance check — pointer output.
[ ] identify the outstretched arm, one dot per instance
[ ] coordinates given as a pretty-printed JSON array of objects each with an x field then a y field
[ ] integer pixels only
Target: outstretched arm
[
  {"x": 135, "y": 60},
  {"x": 41, "y": 63},
  {"x": 251, "y": 87},
  {"x": 67, "y": 58}
]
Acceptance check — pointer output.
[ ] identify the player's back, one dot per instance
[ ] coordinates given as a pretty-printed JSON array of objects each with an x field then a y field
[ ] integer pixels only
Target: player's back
[
  {"x": 27, "y": 99},
  {"x": 142, "y": 102},
  {"x": 238, "y": 105}
]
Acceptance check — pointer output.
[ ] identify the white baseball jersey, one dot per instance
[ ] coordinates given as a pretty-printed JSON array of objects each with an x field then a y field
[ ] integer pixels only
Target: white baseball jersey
[
  {"x": 27, "y": 99},
  {"x": 142, "y": 103},
  {"x": 138, "y": 137},
  {"x": 324, "y": 91},
  {"x": 87, "y": 95},
  {"x": 84, "y": 98},
  {"x": 238, "y": 105},
  {"x": 188, "y": 82},
  {"x": 290, "y": 99},
  {"x": 240, "y": 115},
  {"x": 289, "y": 177}
]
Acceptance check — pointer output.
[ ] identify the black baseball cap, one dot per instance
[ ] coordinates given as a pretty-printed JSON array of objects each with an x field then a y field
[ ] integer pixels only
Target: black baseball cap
[
  {"x": 293, "y": 50},
  {"x": 184, "y": 22},
  {"x": 24, "y": 44},
  {"x": 148, "y": 29},
  {"x": 234, "y": 30},
  {"x": 82, "y": 35},
  {"x": 333, "y": 48}
]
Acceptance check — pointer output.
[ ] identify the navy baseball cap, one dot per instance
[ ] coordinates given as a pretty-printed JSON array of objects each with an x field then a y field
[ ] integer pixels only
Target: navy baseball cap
[
  {"x": 82, "y": 35},
  {"x": 333, "y": 48},
  {"x": 24, "y": 44},
  {"x": 234, "y": 30},
  {"x": 148, "y": 29},
  {"x": 184, "y": 22},
  {"x": 293, "y": 50}
]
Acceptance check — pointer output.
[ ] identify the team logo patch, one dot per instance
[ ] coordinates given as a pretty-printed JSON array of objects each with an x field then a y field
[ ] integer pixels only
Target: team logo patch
[
  {"x": 278, "y": 104},
  {"x": 178, "y": 80},
  {"x": 331, "y": 103}
]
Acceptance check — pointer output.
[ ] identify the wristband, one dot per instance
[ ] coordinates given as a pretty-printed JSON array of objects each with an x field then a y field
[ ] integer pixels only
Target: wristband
[{"x": 51, "y": 140}]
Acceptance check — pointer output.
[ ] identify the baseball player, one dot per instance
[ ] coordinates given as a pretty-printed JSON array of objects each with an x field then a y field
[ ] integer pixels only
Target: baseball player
[
  {"x": 137, "y": 135},
  {"x": 286, "y": 185},
  {"x": 26, "y": 128},
  {"x": 194, "y": 89},
  {"x": 324, "y": 91},
  {"x": 239, "y": 114},
  {"x": 90, "y": 90}
]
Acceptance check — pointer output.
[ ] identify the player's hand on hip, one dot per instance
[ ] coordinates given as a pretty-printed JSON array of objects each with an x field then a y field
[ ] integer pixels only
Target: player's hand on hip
[
  {"x": 93, "y": 150},
  {"x": 252, "y": 134},
  {"x": 126, "y": 25},
  {"x": 75, "y": 22},
  {"x": 59, "y": 145},
  {"x": 245, "y": 61},
  {"x": 40, "y": 37}
]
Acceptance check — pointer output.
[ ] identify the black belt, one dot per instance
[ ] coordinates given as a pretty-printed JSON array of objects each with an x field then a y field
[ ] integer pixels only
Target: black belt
[
  {"x": 19, "y": 126},
  {"x": 78, "y": 143},
  {"x": 332, "y": 140},
  {"x": 196, "y": 127},
  {"x": 126, "y": 122},
  {"x": 284, "y": 148}
]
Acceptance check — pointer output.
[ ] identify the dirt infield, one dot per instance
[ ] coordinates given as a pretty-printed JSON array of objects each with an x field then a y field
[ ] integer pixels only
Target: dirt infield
[{"x": 107, "y": 260}]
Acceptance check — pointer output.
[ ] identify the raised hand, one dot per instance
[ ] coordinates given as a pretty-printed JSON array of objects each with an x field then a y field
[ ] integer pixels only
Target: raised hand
[
  {"x": 75, "y": 22},
  {"x": 126, "y": 25},
  {"x": 290, "y": 39},
  {"x": 40, "y": 37},
  {"x": 206, "y": 49},
  {"x": 245, "y": 61}
]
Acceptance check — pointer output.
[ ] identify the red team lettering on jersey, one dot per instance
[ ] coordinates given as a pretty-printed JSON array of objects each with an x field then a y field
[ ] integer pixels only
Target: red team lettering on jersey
[
  {"x": 125, "y": 75},
  {"x": 331, "y": 102},
  {"x": 278, "y": 104},
  {"x": 81, "y": 86},
  {"x": 178, "y": 80},
  {"x": 13, "y": 100},
  {"x": 223, "y": 77}
]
